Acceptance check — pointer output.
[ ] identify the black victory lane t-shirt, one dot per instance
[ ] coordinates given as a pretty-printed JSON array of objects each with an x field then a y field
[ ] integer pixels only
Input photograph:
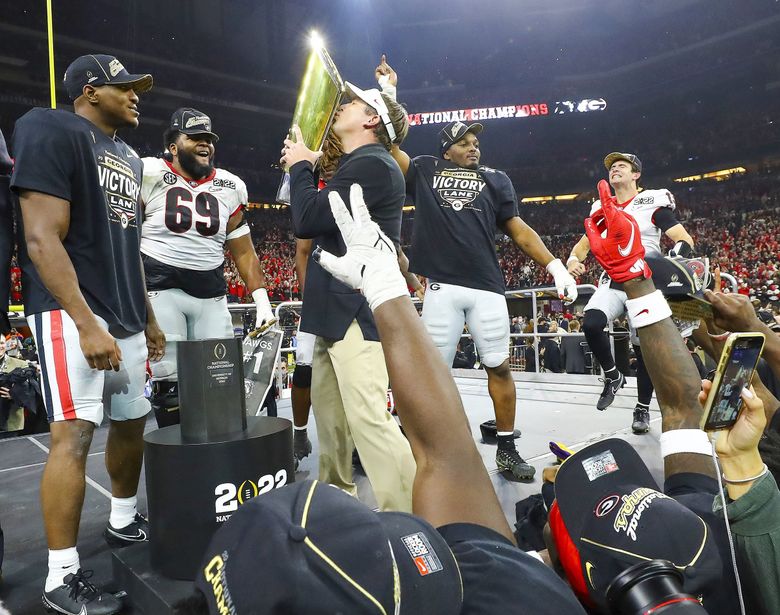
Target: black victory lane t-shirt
[
  {"x": 64, "y": 155},
  {"x": 457, "y": 212}
]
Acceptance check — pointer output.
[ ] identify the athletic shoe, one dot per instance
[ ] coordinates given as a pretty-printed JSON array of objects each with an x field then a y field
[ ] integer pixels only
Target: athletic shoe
[
  {"x": 137, "y": 531},
  {"x": 79, "y": 597},
  {"x": 641, "y": 422},
  {"x": 509, "y": 460},
  {"x": 611, "y": 387},
  {"x": 561, "y": 451},
  {"x": 301, "y": 444}
]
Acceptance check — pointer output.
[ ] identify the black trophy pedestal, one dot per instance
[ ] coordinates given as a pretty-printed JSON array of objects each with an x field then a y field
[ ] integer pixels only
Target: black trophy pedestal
[
  {"x": 148, "y": 591},
  {"x": 192, "y": 488}
]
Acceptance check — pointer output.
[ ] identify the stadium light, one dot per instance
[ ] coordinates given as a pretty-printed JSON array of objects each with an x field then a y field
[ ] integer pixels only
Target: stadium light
[
  {"x": 716, "y": 175},
  {"x": 315, "y": 40}
]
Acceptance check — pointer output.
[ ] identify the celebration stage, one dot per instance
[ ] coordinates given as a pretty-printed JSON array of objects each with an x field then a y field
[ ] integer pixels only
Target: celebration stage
[{"x": 549, "y": 407}]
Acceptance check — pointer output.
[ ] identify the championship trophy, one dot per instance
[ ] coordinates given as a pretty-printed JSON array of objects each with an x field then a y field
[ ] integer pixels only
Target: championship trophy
[{"x": 320, "y": 95}]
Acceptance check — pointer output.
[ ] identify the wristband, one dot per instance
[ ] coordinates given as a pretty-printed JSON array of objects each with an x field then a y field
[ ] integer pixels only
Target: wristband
[
  {"x": 572, "y": 258},
  {"x": 647, "y": 310},
  {"x": 739, "y": 481},
  {"x": 237, "y": 232},
  {"x": 685, "y": 441}
]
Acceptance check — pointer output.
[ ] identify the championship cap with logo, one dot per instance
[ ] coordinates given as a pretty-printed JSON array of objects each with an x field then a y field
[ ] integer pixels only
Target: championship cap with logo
[
  {"x": 632, "y": 159},
  {"x": 454, "y": 132},
  {"x": 192, "y": 122},
  {"x": 312, "y": 548},
  {"x": 610, "y": 515},
  {"x": 100, "y": 69}
]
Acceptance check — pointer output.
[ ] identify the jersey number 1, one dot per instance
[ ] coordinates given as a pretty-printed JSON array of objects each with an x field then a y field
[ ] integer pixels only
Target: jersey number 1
[{"x": 178, "y": 212}]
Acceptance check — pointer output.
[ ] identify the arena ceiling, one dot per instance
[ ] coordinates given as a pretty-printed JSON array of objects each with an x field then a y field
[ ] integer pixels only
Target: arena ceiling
[{"x": 666, "y": 69}]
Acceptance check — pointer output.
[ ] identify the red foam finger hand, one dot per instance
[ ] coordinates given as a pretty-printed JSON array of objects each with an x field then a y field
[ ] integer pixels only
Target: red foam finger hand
[
  {"x": 605, "y": 194},
  {"x": 619, "y": 247}
]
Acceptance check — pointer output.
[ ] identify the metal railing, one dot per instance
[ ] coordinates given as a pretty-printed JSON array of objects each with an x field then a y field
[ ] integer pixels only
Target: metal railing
[{"x": 535, "y": 295}]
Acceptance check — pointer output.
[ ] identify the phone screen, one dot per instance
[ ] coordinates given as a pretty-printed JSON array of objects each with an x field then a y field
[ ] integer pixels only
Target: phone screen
[{"x": 738, "y": 373}]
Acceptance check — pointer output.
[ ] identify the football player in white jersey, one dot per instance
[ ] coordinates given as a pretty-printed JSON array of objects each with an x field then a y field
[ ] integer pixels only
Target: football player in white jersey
[
  {"x": 654, "y": 213},
  {"x": 192, "y": 211}
]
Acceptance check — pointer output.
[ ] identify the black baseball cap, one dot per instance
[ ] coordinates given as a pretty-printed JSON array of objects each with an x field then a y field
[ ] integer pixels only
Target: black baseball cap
[
  {"x": 682, "y": 281},
  {"x": 454, "y": 132},
  {"x": 311, "y": 548},
  {"x": 614, "y": 516},
  {"x": 100, "y": 69},
  {"x": 192, "y": 122},
  {"x": 633, "y": 159}
]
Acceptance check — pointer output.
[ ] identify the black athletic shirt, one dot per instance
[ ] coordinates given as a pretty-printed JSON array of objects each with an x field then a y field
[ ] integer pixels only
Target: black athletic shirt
[
  {"x": 697, "y": 493},
  {"x": 457, "y": 212},
  {"x": 64, "y": 155},
  {"x": 500, "y": 578},
  {"x": 330, "y": 305}
]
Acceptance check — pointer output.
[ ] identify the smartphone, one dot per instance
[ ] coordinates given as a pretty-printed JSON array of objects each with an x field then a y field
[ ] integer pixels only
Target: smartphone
[{"x": 735, "y": 371}]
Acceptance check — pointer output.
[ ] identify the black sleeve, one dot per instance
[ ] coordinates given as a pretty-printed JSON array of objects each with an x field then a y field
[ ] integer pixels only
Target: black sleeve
[
  {"x": 6, "y": 164},
  {"x": 507, "y": 200},
  {"x": 664, "y": 219},
  {"x": 416, "y": 165},
  {"x": 45, "y": 156},
  {"x": 310, "y": 209}
]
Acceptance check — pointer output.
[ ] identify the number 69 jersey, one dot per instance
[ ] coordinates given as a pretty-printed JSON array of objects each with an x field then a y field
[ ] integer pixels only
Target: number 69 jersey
[{"x": 185, "y": 221}]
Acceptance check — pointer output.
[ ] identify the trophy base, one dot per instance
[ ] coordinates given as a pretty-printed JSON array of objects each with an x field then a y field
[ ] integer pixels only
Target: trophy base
[{"x": 147, "y": 590}]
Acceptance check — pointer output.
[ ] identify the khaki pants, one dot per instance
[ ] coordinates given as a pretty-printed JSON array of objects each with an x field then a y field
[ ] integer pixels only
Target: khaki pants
[{"x": 349, "y": 399}]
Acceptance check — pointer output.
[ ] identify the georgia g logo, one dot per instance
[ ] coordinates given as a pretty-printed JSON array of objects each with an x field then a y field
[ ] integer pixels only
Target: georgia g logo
[{"x": 606, "y": 505}]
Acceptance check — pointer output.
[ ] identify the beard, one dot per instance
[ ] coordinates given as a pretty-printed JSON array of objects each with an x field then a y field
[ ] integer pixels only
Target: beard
[{"x": 193, "y": 167}]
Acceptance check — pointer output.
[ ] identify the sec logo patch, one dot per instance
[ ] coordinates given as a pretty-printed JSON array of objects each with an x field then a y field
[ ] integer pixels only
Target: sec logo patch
[{"x": 169, "y": 178}]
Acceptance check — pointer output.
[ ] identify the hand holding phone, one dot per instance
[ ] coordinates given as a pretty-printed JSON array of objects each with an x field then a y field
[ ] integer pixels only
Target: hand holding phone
[{"x": 734, "y": 373}]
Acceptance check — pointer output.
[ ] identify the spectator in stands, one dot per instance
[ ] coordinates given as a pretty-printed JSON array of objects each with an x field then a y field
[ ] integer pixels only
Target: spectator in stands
[
  {"x": 572, "y": 350},
  {"x": 550, "y": 350}
]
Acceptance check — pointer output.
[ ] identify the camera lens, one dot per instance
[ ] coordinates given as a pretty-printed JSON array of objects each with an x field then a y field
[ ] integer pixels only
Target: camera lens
[{"x": 654, "y": 586}]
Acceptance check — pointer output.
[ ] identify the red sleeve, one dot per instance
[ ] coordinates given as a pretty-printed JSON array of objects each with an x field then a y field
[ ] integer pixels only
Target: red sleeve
[{"x": 568, "y": 555}]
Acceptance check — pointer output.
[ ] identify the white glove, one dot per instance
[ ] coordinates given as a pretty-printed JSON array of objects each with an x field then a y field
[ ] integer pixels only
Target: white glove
[
  {"x": 263, "y": 311},
  {"x": 565, "y": 285},
  {"x": 371, "y": 263},
  {"x": 387, "y": 87}
]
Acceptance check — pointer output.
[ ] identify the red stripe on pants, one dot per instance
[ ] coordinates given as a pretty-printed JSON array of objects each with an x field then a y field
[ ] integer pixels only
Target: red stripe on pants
[{"x": 61, "y": 366}]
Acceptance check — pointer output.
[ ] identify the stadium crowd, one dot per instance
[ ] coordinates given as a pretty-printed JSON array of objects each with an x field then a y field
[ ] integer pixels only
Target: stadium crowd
[{"x": 734, "y": 222}]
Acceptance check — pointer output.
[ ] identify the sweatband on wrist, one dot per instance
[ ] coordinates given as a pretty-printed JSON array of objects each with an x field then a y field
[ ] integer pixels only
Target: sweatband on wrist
[
  {"x": 647, "y": 310},
  {"x": 572, "y": 258},
  {"x": 685, "y": 441},
  {"x": 239, "y": 231}
]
